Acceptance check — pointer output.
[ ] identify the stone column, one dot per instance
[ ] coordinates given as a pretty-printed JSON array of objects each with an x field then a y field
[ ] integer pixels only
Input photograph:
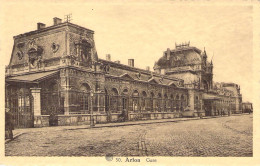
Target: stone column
[
  {"x": 191, "y": 99},
  {"x": 36, "y": 93},
  {"x": 66, "y": 86},
  {"x": 202, "y": 110},
  {"x": 66, "y": 102}
]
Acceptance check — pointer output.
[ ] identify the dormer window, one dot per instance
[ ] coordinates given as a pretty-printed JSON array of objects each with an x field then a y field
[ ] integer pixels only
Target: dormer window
[
  {"x": 84, "y": 51},
  {"x": 35, "y": 56}
]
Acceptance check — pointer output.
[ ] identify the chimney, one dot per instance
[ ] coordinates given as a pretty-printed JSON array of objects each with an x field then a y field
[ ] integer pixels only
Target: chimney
[
  {"x": 148, "y": 68},
  {"x": 40, "y": 25},
  {"x": 108, "y": 57},
  {"x": 117, "y": 62},
  {"x": 131, "y": 62},
  {"x": 56, "y": 21},
  {"x": 168, "y": 54}
]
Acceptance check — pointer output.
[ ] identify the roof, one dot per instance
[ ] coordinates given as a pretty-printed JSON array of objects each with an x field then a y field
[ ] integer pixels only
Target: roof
[
  {"x": 32, "y": 78},
  {"x": 179, "y": 58},
  {"x": 53, "y": 27},
  {"x": 210, "y": 97},
  {"x": 146, "y": 75}
]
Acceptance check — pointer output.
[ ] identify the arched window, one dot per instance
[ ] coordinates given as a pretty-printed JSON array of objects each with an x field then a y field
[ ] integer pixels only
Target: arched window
[
  {"x": 177, "y": 99},
  {"x": 51, "y": 100},
  {"x": 135, "y": 101},
  {"x": 182, "y": 103},
  {"x": 172, "y": 103},
  {"x": 125, "y": 100},
  {"x": 196, "y": 102},
  {"x": 152, "y": 102},
  {"x": 107, "y": 101},
  {"x": 205, "y": 85},
  {"x": 85, "y": 51},
  {"x": 23, "y": 99},
  {"x": 114, "y": 100},
  {"x": 144, "y": 101},
  {"x": 84, "y": 98},
  {"x": 159, "y": 102},
  {"x": 165, "y": 102}
]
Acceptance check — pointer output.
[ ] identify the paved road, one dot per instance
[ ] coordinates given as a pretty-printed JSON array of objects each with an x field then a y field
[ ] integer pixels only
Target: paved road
[{"x": 225, "y": 136}]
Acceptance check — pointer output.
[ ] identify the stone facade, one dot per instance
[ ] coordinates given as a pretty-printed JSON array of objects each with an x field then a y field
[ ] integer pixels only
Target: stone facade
[{"x": 56, "y": 78}]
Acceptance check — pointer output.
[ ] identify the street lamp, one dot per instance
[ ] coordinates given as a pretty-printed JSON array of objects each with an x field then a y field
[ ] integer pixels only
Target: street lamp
[{"x": 92, "y": 124}]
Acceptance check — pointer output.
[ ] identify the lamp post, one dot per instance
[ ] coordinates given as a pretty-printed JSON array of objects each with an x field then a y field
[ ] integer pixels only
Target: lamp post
[{"x": 92, "y": 124}]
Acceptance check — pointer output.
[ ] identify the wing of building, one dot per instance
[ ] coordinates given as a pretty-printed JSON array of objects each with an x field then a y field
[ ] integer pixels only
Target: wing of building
[{"x": 56, "y": 78}]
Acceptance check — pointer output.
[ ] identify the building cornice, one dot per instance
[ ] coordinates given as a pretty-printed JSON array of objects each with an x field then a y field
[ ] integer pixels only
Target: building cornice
[{"x": 52, "y": 28}]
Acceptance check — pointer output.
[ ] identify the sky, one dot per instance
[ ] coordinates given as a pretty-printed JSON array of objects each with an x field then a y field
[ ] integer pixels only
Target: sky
[{"x": 142, "y": 31}]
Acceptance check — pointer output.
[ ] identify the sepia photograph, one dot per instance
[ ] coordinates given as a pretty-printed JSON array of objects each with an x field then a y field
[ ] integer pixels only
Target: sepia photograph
[{"x": 128, "y": 81}]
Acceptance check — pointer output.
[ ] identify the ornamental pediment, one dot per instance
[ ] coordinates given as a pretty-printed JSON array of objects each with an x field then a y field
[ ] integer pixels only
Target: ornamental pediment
[
  {"x": 126, "y": 76},
  {"x": 152, "y": 80}
]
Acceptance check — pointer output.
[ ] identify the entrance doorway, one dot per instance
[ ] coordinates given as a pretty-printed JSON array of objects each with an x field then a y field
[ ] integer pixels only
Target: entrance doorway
[
  {"x": 125, "y": 104},
  {"x": 20, "y": 102},
  {"x": 208, "y": 107}
]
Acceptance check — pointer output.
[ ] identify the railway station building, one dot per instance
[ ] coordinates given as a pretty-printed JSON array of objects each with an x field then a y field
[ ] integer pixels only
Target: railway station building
[{"x": 55, "y": 77}]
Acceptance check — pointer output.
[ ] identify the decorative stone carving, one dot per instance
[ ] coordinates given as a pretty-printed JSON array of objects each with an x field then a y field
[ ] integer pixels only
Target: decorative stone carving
[
  {"x": 105, "y": 68},
  {"x": 35, "y": 56},
  {"x": 20, "y": 44},
  {"x": 138, "y": 75},
  {"x": 55, "y": 47},
  {"x": 20, "y": 55}
]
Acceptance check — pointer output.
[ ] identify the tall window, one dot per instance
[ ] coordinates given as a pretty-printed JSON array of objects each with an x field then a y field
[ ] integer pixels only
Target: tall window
[
  {"x": 125, "y": 99},
  {"x": 159, "y": 102},
  {"x": 152, "y": 102},
  {"x": 144, "y": 101},
  {"x": 165, "y": 102},
  {"x": 114, "y": 100},
  {"x": 24, "y": 100},
  {"x": 84, "y": 102},
  {"x": 107, "y": 101},
  {"x": 196, "y": 103},
  {"x": 172, "y": 103},
  {"x": 84, "y": 98},
  {"x": 177, "y": 103},
  {"x": 135, "y": 101}
]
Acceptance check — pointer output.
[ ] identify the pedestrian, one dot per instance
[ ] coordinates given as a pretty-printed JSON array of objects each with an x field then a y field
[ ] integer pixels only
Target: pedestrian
[
  {"x": 200, "y": 115},
  {"x": 9, "y": 126},
  {"x": 187, "y": 108}
]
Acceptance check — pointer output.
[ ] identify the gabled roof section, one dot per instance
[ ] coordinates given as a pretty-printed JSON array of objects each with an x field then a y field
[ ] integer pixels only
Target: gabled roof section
[
  {"x": 126, "y": 76},
  {"x": 152, "y": 80},
  {"x": 172, "y": 83},
  {"x": 32, "y": 78}
]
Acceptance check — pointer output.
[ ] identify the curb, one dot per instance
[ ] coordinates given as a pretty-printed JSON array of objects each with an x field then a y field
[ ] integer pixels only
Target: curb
[
  {"x": 132, "y": 124},
  {"x": 15, "y": 136}
]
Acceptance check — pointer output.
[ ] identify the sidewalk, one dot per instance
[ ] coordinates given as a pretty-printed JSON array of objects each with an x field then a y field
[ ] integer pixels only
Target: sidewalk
[{"x": 18, "y": 132}]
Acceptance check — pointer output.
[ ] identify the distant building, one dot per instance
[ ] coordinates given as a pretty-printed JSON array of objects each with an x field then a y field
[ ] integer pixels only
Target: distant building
[
  {"x": 56, "y": 78},
  {"x": 247, "y": 107}
]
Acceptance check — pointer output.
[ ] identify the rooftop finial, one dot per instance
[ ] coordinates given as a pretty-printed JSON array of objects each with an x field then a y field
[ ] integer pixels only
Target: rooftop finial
[
  {"x": 185, "y": 44},
  {"x": 212, "y": 59},
  {"x": 68, "y": 17}
]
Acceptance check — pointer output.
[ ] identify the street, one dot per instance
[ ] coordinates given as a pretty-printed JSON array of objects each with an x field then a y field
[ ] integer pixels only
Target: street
[{"x": 221, "y": 136}]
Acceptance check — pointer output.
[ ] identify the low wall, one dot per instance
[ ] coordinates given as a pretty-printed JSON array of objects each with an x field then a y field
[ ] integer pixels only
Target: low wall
[
  {"x": 84, "y": 119},
  {"x": 64, "y": 120},
  {"x": 151, "y": 116},
  {"x": 41, "y": 121}
]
